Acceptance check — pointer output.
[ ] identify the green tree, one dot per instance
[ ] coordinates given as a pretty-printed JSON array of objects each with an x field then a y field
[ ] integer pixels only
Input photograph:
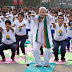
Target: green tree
[{"x": 4, "y": 3}]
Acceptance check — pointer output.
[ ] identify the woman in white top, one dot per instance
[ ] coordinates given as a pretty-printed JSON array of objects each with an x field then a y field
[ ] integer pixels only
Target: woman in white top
[{"x": 20, "y": 32}]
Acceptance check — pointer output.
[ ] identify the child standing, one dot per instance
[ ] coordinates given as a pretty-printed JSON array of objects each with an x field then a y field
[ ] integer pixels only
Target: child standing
[
  {"x": 28, "y": 24},
  {"x": 20, "y": 26}
]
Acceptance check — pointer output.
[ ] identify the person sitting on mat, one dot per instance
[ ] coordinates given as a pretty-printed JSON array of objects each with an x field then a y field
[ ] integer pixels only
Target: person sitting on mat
[
  {"x": 60, "y": 37},
  {"x": 8, "y": 40}
]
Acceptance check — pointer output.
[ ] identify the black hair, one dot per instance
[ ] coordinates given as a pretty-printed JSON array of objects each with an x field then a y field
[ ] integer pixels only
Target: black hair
[
  {"x": 21, "y": 14},
  {"x": 29, "y": 12},
  {"x": 8, "y": 21},
  {"x": 56, "y": 12},
  {"x": 15, "y": 9},
  {"x": 61, "y": 16},
  {"x": 70, "y": 10},
  {"x": 70, "y": 15}
]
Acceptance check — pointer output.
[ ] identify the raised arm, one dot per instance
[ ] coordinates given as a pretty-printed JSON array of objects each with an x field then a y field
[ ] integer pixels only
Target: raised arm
[
  {"x": 9, "y": 27},
  {"x": 13, "y": 25},
  {"x": 1, "y": 29},
  {"x": 65, "y": 25},
  {"x": 53, "y": 25}
]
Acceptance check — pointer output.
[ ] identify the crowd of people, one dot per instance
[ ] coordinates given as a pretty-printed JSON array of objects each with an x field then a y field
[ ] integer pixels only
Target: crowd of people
[{"x": 46, "y": 26}]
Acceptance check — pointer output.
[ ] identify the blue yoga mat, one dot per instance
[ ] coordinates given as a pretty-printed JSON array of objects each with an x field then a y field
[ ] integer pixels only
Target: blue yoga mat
[{"x": 31, "y": 68}]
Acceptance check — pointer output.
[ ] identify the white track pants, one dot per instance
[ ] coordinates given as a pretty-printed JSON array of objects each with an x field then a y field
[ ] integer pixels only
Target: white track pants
[{"x": 36, "y": 51}]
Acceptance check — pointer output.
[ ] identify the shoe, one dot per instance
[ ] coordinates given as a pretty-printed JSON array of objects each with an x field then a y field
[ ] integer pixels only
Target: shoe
[
  {"x": 3, "y": 60},
  {"x": 63, "y": 59},
  {"x": 56, "y": 59}
]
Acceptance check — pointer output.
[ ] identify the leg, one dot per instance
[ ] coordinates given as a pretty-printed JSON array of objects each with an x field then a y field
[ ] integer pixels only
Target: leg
[
  {"x": 0, "y": 37},
  {"x": 47, "y": 57},
  {"x": 63, "y": 45},
  {"x": 3, "y": 47},
  {"x": 17, "y": 41},
  {"x": 23, "y": 39},
  {"x": 56, "y": 46},
  {"x": 31, "y": 40},
  {"x": 13, "y": 49},
  {"x": 27, "y": 33},
  {"x": 36, "y": 51},
  {"x": 68, "y": 44}
]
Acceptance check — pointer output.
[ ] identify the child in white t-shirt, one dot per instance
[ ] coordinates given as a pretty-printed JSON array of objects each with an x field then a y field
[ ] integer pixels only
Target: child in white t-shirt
[
  {"x": 8, "y": 40},
  {"x": 69, "y": 32},
  {"x": 20, "y": 33},
  {"x": 60, "y": 37},
  {"x": 12, "y": 17},
  {"x": 28, "y": 24}
]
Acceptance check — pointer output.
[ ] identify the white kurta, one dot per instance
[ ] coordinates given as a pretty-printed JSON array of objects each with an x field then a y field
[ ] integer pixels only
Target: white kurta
[{"x": 41, "y": 29}]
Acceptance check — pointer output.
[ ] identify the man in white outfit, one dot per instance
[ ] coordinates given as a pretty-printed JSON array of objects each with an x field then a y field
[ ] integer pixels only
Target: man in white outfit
[{"x": 42, "y": 35}]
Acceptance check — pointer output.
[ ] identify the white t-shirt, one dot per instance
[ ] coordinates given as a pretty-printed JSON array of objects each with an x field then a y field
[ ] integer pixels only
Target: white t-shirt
[
  {"x": 69, "y": 30},
  {"x": 28, "y": 24},
  {"x": 2, "y": 22},
  {"x": 59, "y": 13},
  {"x": 66, "y": 19},
  {"x": 8, "y": 37},
  {"x": 20, "y": 30},
  {"x": 32, "y": 11},
  {"x": 12, "y": 18},
  {"x": 60, "y": 32}
]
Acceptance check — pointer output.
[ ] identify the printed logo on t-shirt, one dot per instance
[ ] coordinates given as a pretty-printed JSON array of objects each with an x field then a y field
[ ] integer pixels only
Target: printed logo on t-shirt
[
  {"x": 55, "y": 20},
  {"x": 3, "y": 19},
  {"x": 60, "y": 33},
  {"x": 66, "y": 20},
  {"x": 29, "y": 21},
  {"x": 70, "y": 27},
  {"x": 13, "y": 19},
  {"x": 20, "y": 28},
  {"x": 7, "y": 37}
]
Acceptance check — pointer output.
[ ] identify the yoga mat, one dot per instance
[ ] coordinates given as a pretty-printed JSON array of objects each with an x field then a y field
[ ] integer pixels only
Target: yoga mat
[
  {"x": 69, "y": 62},
  {"x": 28, "y": 45},
  {"x": 31, "y": 68},
  {"x": 28, "y": 49},
  {"x": 59, "y": 61},
  {"x": 27, "y": 42},
  {"x": 8, "y": 60}
]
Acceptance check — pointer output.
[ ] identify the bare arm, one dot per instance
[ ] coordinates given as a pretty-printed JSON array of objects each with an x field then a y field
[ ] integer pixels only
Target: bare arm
[
  {"x": 23, "y": 25},
  {"x": 9, "y": 27},
  {"x": 53, "y": 25},
  {"x": 1, "y": 29},
  {"x": 13, "y": 25},
  {"x": 33, "y": 15},
  {"x": 65, "y": 25},
  {"x": 12, "y": 29}
]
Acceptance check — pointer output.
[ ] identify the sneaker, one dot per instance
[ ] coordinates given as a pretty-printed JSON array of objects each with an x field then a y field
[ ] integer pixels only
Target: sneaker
[
  {"x": 56, "y": 59},
  {"x": 63, "y": 59},
  {"x": 3, "y": 60}
]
